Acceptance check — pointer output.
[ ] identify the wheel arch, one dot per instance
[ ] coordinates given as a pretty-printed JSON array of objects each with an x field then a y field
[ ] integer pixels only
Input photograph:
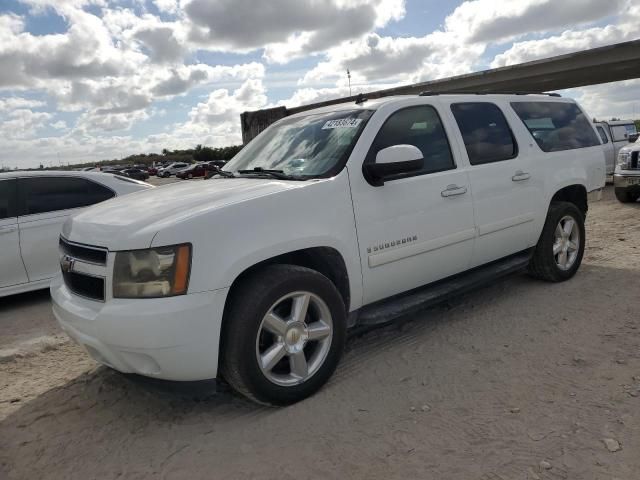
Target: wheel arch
[
  {"x": 325, "y": 260},
  {"x": 575, "y": 193}
]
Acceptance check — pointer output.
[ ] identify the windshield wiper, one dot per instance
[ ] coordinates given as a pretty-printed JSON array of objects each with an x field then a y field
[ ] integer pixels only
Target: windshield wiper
[{"x": 279, "y": 174}]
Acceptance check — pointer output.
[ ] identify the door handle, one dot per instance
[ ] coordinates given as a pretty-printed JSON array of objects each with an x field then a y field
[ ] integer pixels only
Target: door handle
[
  {"x": 7, "y": 230},
  {"x": 453, "y": 190},
  {"x": 520, "y": 176}
]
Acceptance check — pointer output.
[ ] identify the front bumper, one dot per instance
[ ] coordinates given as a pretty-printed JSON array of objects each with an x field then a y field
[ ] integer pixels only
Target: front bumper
[
  {"x": 626, "y": 180},
  {"x": 175, "y": 338}
]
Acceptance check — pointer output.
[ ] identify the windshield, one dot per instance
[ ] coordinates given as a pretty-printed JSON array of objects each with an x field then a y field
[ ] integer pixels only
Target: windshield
[
  {"x": 309, "y": 146},
  {"x": 622, "y": 132}
]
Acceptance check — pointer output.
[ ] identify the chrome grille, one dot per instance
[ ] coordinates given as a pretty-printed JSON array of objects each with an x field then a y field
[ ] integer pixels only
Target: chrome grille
[
  {"x": 84, "y": 269},
  {"x": 96, "y": 255}
]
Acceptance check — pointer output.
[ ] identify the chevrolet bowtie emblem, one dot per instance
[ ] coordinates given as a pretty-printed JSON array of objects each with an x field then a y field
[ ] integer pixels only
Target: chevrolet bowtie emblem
[{"x": 66, "y": 263}]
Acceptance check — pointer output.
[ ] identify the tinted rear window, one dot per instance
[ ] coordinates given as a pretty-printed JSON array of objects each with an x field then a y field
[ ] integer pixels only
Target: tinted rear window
[
  {"x": 556, "y": 126},
  {"x": 485, "y": 132},
  {"x": 8, "y": 198},
  {"x": 48, "y": 194}
]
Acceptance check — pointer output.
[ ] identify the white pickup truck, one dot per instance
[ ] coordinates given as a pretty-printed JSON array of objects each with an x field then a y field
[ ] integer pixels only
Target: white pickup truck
[
  {"x": 626, "y": 178},
  {"x": 615, "y": 134},
  {"x": 348, "y": 215}
]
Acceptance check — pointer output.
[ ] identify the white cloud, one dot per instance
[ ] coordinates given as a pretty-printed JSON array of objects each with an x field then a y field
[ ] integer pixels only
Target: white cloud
[
  {"x": 397, "y": 60},
  {"x": 108, "y": 121},
  {"x": 167, "y": 6},
  {"x": 285, "y": 28},
  {"x": 608, "y": 100},
  {"x": 22, "y": 123},
  {"x": 181, "y": 79},
  {"x": 216, "y": 121},
  {"x": 13, "y": 103},
  {"x": 483, "y": 21},
  {"x": 59, "y": 125},
  {"x": 86, "y": 50},
  {"x": 572, "y": 40}
]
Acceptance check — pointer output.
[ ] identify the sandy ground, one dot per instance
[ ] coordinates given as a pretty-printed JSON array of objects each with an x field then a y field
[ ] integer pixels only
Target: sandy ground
[{"x": 522, "y": 380}]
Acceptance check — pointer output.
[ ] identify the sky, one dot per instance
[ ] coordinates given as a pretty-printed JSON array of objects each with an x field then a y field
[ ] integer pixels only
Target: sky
[{"x": 86, "y": 80}]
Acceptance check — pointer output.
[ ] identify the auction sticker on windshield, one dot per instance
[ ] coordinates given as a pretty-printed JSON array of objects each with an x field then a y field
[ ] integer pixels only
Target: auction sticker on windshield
[{"x": 342, "y": 123}]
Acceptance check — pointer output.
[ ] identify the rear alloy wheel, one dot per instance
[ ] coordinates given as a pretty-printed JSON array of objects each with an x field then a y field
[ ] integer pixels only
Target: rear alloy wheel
[
  {"x": 560, "y": 248},
  {"x": 283, "y": 334},
  {"x": 566, "y": 245}
]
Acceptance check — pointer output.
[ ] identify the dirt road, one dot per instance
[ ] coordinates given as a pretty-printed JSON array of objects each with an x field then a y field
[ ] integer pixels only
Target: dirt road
[{"x": 522, "y": 380}]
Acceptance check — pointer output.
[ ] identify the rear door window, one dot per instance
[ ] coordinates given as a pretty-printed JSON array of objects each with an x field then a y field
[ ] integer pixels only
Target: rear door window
[
  {"x": 8, "y": 199},
  {"x": 556, "y": 126},
  {"x": 485, "y": 131},
  {"x": 49, "y": 194}
]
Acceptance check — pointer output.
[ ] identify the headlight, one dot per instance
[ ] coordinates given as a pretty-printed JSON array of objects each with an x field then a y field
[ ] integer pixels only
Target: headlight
[
  {"x": 624, "y": 160},
  {"x": 152, "y": 273}
]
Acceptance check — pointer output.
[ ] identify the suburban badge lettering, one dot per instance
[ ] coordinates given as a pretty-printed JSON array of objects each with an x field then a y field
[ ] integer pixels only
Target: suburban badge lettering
[{"x": 391, "y": 244}]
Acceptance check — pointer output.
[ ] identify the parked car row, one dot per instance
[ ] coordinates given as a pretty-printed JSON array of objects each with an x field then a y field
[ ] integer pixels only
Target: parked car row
[
  {"x": 187, "y": 171},
  {"x": 181, "y": 170}
]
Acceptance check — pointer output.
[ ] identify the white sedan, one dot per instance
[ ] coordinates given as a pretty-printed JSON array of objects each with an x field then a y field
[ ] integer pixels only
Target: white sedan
[{"x": 33, "y": 207}]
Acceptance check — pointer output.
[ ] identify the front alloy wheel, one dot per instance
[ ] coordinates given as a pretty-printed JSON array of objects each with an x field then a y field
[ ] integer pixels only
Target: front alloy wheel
[
  {"x": 294, "y": 338},
  {"x": 283, "y": 334}
]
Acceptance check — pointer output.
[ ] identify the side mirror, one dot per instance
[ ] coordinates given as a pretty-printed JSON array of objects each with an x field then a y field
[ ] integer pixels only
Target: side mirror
[
  {"x": 393, "y": 161},
  {"x": 633, "y": 137}
]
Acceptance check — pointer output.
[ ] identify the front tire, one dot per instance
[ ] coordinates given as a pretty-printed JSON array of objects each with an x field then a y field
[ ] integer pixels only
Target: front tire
[
  {"x": 560, "y": 249},
  {"x": 625, "y": 196},
  {"x": 283, "y": 335}
]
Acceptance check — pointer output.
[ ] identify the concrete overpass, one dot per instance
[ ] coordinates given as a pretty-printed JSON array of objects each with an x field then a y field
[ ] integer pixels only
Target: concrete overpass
[{"x": 589, "y": 67}]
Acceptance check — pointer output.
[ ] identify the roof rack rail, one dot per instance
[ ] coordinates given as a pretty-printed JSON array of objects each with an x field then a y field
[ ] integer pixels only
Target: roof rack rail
[
  {"x": 360, "y": 98},
  {"x": 429, "y": 93}
]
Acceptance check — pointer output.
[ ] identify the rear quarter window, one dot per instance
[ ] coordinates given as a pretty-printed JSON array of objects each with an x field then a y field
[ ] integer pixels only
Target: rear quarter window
[{"x": 556, "y": 126}]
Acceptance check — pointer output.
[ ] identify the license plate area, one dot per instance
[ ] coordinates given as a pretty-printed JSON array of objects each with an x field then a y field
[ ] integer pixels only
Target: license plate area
[{"x": 633, "y": 181}]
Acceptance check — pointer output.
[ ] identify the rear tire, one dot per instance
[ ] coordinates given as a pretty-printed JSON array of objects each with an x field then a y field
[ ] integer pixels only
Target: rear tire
[
  {"x": 560, "y": 249},
  {"x": 283, "y": 334}
]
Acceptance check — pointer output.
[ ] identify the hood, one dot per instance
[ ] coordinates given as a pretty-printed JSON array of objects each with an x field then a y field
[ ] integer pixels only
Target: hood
[
  {"x": 631, "y": 147},
  {"x": 131, "y": 221}
]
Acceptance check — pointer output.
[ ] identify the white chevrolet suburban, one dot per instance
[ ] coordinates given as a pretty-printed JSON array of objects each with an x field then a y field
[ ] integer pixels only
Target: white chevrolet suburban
[{"x": 338, "y": 217}]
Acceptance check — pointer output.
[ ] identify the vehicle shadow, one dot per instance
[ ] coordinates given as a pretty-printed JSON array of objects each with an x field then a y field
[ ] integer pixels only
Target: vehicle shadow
[
  {"x": 102, "y": 412},
  {"x": 22, "y": 300}
]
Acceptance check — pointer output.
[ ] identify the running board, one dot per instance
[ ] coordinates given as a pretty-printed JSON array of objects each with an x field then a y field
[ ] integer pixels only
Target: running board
[{"x": 387, "y": 310}]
